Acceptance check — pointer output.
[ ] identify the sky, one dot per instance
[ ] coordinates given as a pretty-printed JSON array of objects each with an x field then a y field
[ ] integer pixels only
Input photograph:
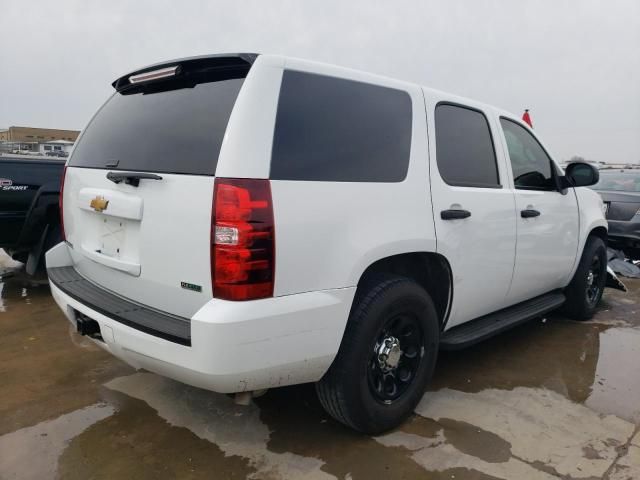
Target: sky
[{"x": 575, "y": 64}]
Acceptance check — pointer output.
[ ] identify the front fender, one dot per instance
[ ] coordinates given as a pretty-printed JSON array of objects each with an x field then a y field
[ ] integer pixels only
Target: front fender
[{"x": 591, "y": 214}]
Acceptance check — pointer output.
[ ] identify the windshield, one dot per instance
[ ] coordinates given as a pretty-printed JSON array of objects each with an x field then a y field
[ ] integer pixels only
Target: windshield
[
  {"x": 619, "y": 182},
  {"x": 172, "y": 131}
]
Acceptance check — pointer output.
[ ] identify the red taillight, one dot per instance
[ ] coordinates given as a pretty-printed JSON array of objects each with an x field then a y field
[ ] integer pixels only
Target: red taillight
[
  {"x": 60, "y": 203},
  {"x": 242, "y": 239}
]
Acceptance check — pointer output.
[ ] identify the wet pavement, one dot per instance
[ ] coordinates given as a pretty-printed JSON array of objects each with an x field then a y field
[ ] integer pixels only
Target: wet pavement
[{"x": 551, "y": 399}]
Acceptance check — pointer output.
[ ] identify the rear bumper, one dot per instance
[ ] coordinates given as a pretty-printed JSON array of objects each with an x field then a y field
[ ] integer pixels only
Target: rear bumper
[
  {"x": 235, "y": 346},
  {"x": 170, "y": 327}
]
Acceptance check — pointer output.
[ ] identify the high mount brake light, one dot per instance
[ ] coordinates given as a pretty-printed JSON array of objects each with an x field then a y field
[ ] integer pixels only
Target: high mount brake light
[
  {"x": 242, "y": 239},
  {"x": 154, "y": 75}
]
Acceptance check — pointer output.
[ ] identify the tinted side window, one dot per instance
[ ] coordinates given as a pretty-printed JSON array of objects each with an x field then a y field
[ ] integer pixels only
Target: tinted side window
[
  {"x": 173, "y": 131},
  {"x": 336, "y": 130},
  {"x": 530, "y": 163},
  {"x": 464, "y": 147}
]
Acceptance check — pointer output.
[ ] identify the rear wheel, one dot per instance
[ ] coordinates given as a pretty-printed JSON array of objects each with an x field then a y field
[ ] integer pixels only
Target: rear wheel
[
  {"x": 587, "y": 286},
  {"x": 386, "y": 357}
]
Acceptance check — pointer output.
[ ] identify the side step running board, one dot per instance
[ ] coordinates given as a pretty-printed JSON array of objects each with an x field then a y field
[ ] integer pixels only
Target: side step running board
[{"x": 482, "y": 328}]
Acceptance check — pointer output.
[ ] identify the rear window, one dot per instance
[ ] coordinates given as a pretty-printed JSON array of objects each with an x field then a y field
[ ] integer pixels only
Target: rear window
[
  {"x": 336, "y": 130},
  {"x": 171, "y": 131}
]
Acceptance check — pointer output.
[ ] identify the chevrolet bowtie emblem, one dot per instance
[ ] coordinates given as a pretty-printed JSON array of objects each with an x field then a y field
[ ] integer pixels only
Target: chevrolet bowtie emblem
[{"x": 99, "y": 204}]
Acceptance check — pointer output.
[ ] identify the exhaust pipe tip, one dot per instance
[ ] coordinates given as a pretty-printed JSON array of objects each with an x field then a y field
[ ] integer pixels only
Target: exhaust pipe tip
[{"x": 244, "y": 398}]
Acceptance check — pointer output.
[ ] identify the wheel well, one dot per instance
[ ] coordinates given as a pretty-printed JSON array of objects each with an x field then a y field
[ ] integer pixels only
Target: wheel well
[
  {"x": 600, "y": 232},
  {"x": 430, "y": 270}
]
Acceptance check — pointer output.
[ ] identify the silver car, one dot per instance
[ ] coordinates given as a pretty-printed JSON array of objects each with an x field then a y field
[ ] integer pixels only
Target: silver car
[{"x": 620, "y": 191}]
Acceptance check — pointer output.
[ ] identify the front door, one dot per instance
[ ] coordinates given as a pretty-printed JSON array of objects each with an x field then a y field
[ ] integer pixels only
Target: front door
[
  {"x": 547, "y": 219},
  {"x": 474, "y": 215}
]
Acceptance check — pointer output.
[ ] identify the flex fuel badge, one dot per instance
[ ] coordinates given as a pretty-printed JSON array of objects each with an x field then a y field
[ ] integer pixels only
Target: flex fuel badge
[{"x": 191, "y": 286}]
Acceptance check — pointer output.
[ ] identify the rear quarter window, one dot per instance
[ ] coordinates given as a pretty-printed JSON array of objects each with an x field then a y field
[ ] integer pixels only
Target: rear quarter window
[
  {"x": 337, "y": 130},
  {"x": 464, "y": 147},
  {"x": 170, "y": 131}
]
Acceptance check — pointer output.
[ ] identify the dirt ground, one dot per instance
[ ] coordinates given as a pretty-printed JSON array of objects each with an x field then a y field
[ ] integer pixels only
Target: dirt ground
[{"x": 551, "y": 399}]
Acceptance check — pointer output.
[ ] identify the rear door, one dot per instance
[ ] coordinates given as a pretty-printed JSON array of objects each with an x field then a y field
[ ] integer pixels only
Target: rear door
[
  {"x": 474, "y": 214},
  {"x": 547, "y": 219},
  {"x": 139, "y": 185}
]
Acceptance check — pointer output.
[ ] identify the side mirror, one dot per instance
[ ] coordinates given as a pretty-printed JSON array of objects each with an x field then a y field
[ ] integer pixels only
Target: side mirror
[{"x": 581, "y": 174}]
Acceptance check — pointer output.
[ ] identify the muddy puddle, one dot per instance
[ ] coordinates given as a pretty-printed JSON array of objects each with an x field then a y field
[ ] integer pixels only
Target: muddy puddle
[{"x": 551, "y": 399}]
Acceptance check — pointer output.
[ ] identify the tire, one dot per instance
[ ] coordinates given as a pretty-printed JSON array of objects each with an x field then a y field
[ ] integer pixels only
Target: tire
[
  {"x": 587, "y": 286},
  {"x": 365, "y": 389}
]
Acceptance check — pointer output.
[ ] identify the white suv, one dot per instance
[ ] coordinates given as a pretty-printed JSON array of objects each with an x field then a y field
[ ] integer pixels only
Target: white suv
[{"x": 241, "y": 222}]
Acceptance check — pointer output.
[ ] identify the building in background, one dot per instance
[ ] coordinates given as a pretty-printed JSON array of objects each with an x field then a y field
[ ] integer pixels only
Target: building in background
[
  {"x": 47, "y": 148},
  {"x": 38, "y": 135},
  {"x": 37, "y": 141}
]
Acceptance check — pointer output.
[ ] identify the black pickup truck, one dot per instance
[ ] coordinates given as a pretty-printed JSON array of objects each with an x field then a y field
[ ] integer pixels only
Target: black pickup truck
[{"x": 29, "y": 217}]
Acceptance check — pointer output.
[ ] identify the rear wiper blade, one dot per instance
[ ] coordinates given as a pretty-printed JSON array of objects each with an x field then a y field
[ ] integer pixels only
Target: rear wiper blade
[{"x": 131, "y": 178}]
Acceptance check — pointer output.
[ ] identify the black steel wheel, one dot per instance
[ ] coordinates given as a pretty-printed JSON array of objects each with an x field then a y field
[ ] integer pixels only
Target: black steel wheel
[
  {"x": 395, "y": 358},
  {"x": 587, "y": 286},
  {"x": 594, "y": 288},
  {"x": 386, "y": 357}
]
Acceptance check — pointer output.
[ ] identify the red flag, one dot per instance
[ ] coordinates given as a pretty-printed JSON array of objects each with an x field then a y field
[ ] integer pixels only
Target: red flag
[{"x": 526, "y": 118}]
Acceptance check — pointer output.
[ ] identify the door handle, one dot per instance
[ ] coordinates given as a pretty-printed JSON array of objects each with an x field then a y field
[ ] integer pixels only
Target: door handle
[
  {"x": 529, "y": 213},
  {"x": 454, "y": 214}
]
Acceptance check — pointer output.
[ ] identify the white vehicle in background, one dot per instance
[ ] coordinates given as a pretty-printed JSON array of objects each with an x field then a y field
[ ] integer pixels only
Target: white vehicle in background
[{"x": 242, "y": 222}]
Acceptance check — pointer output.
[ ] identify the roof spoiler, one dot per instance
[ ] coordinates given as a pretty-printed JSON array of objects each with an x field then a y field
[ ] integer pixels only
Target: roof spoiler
[{"x": 185, "y": 68}]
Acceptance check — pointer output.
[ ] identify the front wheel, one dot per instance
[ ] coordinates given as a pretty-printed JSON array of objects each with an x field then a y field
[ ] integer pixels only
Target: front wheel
[
  {"x": 587, "y": 286},
  {"x": 386, "y": 358}
]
